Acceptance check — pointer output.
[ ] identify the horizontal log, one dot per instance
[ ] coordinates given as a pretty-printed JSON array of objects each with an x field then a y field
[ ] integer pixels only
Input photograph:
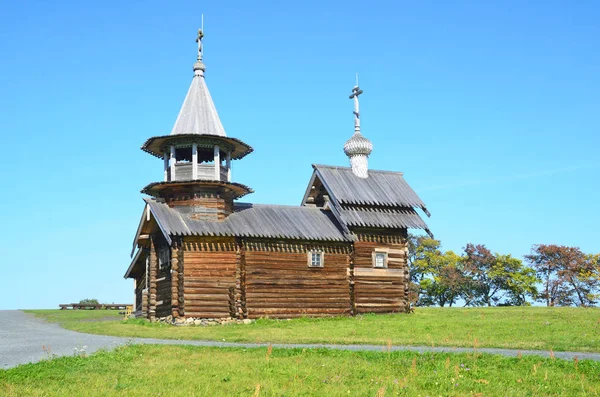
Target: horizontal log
[
  {"x": 287, "y": 305},
  {"x": 363, "y": 305},
  {"x": 299, "y": 299},
  {"x": 190, "y": 279},
  {"x": 295, "y": 315},
  {"x": 289, "y": 312},
  {"x": 298, "y": 294},
  {"x": 207, "y": 306},
  {"x": 207, "y": 297},
  {"x": 373, "y": 272},
  {"x": 203, "y": 314},
  {"x": 378, "y": 300},
  {"x": 207, "y": 290}
]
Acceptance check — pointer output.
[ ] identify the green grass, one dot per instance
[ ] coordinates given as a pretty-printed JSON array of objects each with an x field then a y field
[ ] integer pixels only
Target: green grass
[
  {"x": 538, "y": 328},
  {"x": 150, "y": 370}
]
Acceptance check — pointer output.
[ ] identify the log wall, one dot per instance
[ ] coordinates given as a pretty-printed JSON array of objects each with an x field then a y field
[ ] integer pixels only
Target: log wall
[
  {"x": 163, "y": 292},
  {"x": 140, "y": 284},
  {"x": 209, "y": 271},
  {"x": 381, "y": 290},
  {"x": 280, "y": 284}
]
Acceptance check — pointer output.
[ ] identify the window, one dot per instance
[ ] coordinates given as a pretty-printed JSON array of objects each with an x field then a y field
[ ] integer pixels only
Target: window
[
  {"x": 315, "y": 259},
  {"x": 380, "y": 259},
  {"x": 164, "y": 258}
]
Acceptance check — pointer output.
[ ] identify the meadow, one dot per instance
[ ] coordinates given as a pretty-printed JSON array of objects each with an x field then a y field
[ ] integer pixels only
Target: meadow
[
  {"x": 536, "y": 328},
  {"x": 142, "y": 370}
]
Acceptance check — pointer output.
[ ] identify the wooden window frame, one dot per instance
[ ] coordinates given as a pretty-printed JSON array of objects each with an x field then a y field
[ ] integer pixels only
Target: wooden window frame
[
  {"x": 310, "y": 259},
  {"x": 162, "y": 264},
  {"x": 385, "y": 258}
]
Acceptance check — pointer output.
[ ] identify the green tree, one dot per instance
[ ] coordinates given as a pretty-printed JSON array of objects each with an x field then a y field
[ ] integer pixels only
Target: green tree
[
  {"x": 492, "y": 277},
  {"x": 423, "y": 254},
  {"x": 518, "y": 281},
  {"x": 445, "y": 281},
  {"x": 569, "y": 276}
]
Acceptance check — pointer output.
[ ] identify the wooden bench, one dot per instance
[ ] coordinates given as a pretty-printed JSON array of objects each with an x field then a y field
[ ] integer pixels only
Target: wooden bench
[{"x": 102, "y": 306}]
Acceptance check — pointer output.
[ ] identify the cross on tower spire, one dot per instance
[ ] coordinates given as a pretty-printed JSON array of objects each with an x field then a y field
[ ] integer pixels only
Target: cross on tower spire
[
  {"x": 199, "y": 41},
  {"x": 199, "y": 67}
]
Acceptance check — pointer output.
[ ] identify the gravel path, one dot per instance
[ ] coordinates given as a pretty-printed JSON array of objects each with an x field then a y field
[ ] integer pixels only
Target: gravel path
[{"x": 24, "y": 337}]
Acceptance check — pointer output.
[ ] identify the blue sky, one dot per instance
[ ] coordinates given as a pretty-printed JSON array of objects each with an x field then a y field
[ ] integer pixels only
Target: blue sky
[{"x": 489, "y": 108}]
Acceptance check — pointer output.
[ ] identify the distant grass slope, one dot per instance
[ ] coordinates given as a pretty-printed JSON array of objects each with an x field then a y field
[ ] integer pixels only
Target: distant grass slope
[
  {"x": 149, "y": 370},
  {"x": 538, "y": 328}
]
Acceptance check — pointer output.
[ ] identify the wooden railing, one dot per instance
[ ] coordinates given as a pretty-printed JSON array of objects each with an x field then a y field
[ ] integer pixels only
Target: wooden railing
[{"x": 183, "y": 171}]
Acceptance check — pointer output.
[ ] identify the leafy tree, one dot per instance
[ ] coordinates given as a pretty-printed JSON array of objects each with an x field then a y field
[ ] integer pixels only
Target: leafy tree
[
  {"x": 423, "y": 254},
  {"x": 518, "y": 281},
  {"x": 569, "y": 276},
  {"x": 484, "y": 285},
  {"x": 492, "y": 277},
  {"x": 446, "y": 281}
]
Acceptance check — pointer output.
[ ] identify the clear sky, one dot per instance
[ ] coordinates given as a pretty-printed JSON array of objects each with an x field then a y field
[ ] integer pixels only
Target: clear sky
[{"x": 491, "y": 110}]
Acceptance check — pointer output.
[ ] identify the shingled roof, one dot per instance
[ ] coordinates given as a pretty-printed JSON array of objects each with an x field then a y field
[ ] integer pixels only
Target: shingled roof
[
  {"x": 198, "y": 114},
  {"x": 381, "y": 188},
  {"x": 382, "y": 217},
  {"x": 252, "y": 220},
  {"x": 381, "y": 200}
]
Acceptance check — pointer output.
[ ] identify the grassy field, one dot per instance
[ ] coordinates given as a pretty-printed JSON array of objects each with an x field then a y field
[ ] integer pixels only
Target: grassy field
[
  {"x": 144, "y": 370},
  {"x": 541, "y": 328}
]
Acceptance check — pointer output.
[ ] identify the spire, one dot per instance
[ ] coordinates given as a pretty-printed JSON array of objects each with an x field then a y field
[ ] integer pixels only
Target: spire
[
  {"x": 198, "y": 114},
  {"x": 358, "y": 148}
]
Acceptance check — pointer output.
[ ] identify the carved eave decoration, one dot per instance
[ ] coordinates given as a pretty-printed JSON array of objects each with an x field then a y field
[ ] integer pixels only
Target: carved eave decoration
[{"x": 157, "y": 145}]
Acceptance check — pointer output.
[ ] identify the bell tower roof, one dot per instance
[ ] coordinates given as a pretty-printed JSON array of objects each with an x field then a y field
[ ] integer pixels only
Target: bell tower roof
[
  {"x": 198, "y": 121},
  {"x": 198, "y": 114}
]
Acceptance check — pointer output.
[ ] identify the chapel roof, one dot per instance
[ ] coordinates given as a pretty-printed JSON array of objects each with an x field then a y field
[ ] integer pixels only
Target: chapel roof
[
  {"x": 252, "y": 220},
  {"x": 381, "y": 188}
]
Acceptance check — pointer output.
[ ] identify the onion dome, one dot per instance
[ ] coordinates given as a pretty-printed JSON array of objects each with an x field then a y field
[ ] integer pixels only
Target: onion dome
[{"x": 358, "y": 145}]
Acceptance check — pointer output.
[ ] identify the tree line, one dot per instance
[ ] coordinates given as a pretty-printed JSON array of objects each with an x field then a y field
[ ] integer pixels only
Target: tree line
[{"x": 556, "y": 275}]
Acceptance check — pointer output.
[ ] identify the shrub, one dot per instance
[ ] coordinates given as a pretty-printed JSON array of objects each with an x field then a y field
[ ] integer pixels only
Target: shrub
[{"x": 89, "y": 302}]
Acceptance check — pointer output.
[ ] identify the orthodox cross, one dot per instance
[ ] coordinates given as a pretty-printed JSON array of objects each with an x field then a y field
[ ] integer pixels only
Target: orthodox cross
[
  {"x": 199, "y": 41},
  {"x": 355, "y": 93}
]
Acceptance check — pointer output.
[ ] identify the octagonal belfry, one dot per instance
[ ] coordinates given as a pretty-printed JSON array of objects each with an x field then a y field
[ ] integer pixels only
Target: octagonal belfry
[{"x": 197, "y": 155}]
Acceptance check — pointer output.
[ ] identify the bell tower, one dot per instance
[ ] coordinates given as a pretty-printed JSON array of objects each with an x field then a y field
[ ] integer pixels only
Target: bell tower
[{"x": 197, "y": 156}]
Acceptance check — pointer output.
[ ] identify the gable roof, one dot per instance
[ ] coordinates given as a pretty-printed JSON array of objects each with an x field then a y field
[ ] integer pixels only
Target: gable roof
[
  {"x": 382, "y": 200},
  {"x": 252, "y": 220},
  {"x": 381, "y": 188},
  {"x": 198, "y": 114}
]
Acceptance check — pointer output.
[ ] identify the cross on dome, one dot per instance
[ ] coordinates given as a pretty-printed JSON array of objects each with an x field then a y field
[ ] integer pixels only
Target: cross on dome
[{"x": 358, "y": 148}]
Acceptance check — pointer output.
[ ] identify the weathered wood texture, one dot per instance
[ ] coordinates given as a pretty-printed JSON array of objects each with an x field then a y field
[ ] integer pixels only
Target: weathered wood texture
[
  {"x": 279, "y": 283},
  {"x": 208, "y": 206},
  {"x": 152, "y": 269},
  {"x": 240, "y": 310},
  {"x": 140, "y": 284},
  {"x": 381, "y": 290},
  {"x": 163, "y": 292},
  {"x": 175, "y": 281},
  {"x": 209, "y": 277}
]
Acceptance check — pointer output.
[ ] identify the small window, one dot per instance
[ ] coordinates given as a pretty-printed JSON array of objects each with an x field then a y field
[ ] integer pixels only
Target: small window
[
  {"x": 164, "y": 258},
  {"x": 315, "y": 259},
  {"x": 380, "y": 259}
]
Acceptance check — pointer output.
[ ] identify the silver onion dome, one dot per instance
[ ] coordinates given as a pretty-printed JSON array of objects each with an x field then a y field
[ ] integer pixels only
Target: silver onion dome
[{"x": 358, "y": 145}]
